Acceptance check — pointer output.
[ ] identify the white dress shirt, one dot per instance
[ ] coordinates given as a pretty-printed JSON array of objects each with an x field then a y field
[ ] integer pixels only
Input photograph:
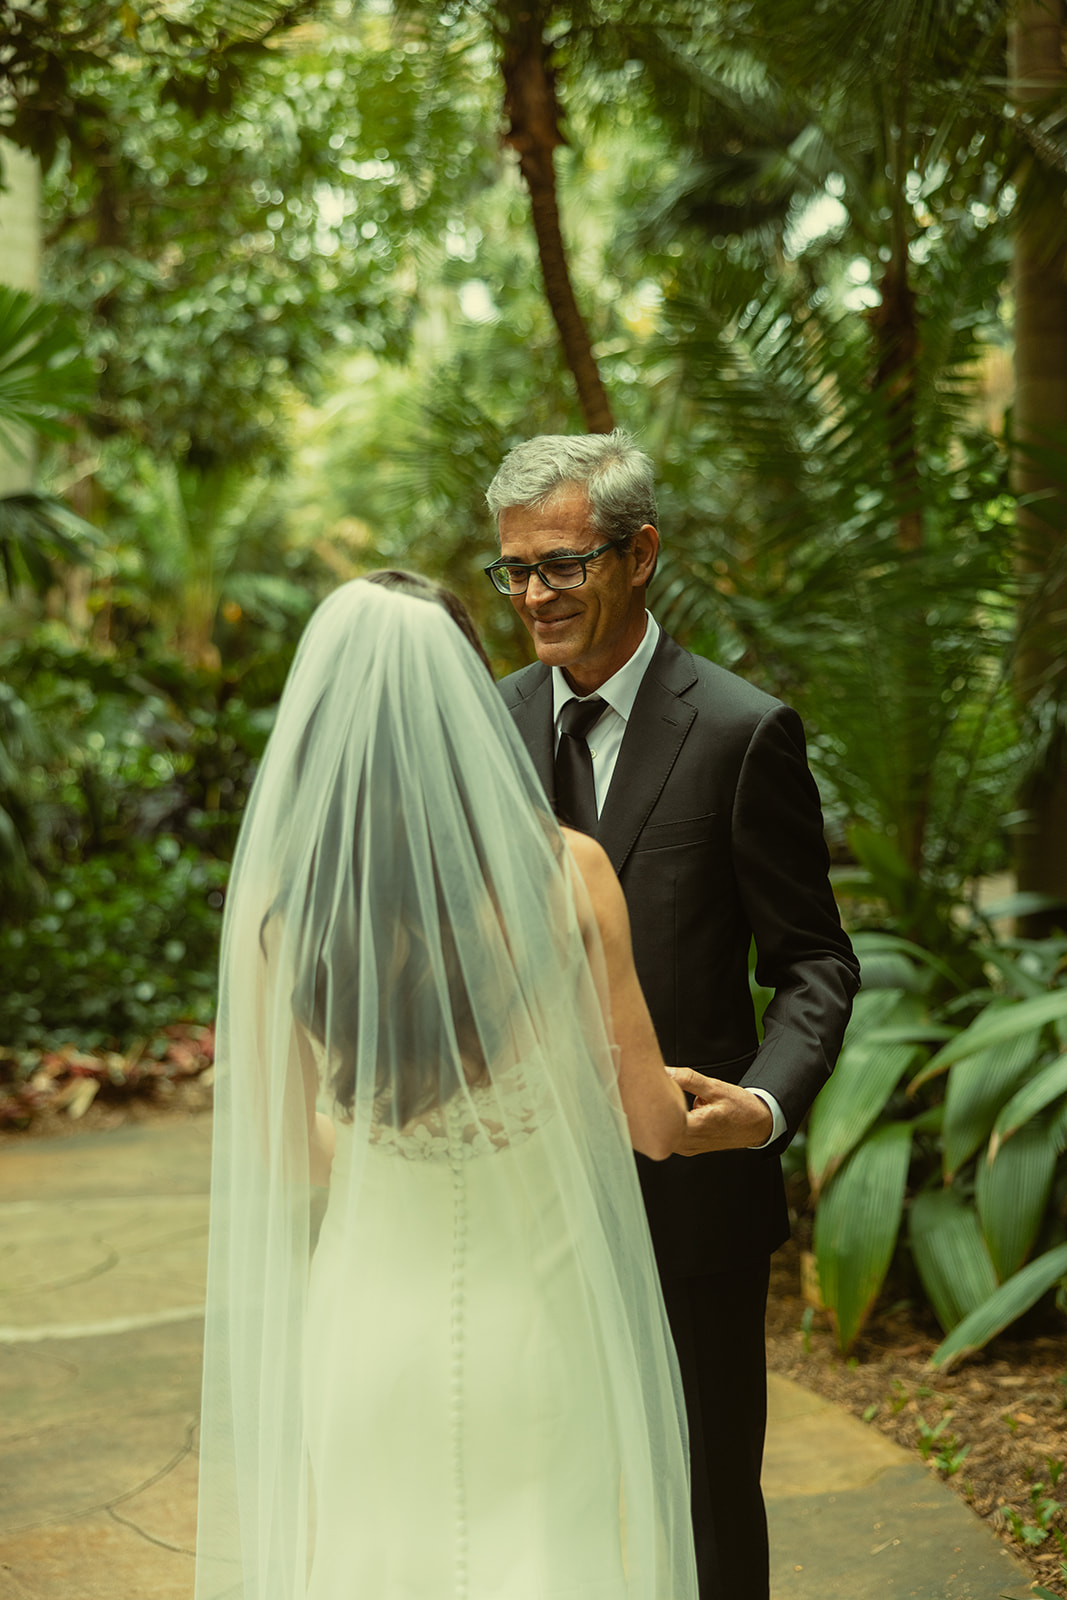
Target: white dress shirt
[{"x": 605, "y": 741}]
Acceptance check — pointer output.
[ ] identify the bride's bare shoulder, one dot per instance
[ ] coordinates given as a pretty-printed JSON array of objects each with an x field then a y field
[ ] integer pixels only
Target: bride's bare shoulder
[
  {"x": 588, "y": 855},
  {"x": 596, "y": 871}
]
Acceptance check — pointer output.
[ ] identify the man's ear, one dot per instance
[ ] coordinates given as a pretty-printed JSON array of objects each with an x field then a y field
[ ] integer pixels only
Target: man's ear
[{"x": 645, "y": 550}]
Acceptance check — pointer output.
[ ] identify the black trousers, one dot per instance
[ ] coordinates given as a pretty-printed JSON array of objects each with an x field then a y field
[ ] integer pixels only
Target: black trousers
[{"x": 718, "y": 1327}]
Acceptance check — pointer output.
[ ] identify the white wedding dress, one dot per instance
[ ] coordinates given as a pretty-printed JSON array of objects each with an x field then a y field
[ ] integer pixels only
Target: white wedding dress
[
  {"x": 460, "y": 1436},
  {"x": 464, "y": 1388}
]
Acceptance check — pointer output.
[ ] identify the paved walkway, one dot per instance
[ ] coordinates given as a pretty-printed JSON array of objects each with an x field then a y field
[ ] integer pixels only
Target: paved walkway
[{"x": 102, "y": 1248}]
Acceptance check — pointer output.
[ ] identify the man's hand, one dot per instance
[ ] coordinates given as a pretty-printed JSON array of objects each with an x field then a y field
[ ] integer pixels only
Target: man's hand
[{"x": 724, "y": 1116}]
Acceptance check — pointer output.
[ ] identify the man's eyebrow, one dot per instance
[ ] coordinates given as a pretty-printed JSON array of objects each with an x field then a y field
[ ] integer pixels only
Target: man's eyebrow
[{"x": 560, "y": 552}]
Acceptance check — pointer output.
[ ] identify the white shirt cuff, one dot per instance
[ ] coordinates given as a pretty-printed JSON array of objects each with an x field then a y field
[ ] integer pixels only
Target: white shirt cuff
[{"x": 776, "y": 1112}]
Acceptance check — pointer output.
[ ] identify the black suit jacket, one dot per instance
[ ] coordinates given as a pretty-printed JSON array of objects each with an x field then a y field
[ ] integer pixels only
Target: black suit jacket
[{"x": 714, "y": 826}]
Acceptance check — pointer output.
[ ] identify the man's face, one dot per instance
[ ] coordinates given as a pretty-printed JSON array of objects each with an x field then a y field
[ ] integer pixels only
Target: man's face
[{"x": 590, "y": 631}]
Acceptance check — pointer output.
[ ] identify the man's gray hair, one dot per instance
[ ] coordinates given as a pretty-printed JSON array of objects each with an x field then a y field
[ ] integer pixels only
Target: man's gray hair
[{"x": 616, "y": 475}]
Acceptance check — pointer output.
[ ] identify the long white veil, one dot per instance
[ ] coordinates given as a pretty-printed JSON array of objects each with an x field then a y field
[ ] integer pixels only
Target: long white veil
[{"x": 406, "y": 967}]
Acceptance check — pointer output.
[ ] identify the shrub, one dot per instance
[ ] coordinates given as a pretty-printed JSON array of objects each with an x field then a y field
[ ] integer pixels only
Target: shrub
[
  {"x": 126, "y": 943},
  {"x": 945, "y": 1125}
]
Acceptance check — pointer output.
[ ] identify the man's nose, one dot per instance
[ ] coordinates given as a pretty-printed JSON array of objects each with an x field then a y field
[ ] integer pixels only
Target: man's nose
[{"x": 537, "y": 590}]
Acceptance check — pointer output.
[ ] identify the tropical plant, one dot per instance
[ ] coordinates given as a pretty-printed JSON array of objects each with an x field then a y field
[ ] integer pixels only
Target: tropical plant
[
  {"x": 304, "y": 169},
  {"x": 122, "y": 946},
  {"x": 840, "y": 522},
  {"x": 953, "y": 1136},
  {"x": 42, "y": 380},
  {"x": 189, "y": 543},
  {"x": 1039, "y": 433},
  {"x": 43, "y": 375}
]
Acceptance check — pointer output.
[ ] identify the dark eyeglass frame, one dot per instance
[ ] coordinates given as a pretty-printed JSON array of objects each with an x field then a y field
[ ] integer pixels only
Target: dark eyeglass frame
[{"x": 536, "y": 566}]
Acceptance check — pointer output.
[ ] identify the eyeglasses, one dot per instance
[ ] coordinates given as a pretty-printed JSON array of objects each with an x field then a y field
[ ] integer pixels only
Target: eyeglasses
[{"x": 562, "y": 572}]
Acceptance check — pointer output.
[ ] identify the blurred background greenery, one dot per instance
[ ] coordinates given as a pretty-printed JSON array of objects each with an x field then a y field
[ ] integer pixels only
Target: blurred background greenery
[{"x": 283, "y": 282}]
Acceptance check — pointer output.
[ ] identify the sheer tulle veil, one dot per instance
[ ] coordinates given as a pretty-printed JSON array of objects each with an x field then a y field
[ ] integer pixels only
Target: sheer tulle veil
[{"x": 406, "y": 954}]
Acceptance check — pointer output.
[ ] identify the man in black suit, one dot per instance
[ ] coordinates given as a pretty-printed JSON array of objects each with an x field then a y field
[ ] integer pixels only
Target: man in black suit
[{"x": 697, "y": 786}]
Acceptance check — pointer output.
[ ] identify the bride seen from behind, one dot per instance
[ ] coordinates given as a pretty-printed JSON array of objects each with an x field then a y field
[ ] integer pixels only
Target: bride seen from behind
[{"x": 463, "y": 1385}]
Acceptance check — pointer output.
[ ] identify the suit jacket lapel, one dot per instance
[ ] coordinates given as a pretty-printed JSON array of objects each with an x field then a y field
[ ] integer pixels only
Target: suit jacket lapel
[
  {"x": 533, "y": 719},
  {"x": 655, "y": 733}
]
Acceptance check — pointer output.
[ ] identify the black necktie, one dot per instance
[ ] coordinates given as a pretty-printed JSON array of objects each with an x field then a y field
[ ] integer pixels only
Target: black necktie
[{"x": 575, "y": 790}]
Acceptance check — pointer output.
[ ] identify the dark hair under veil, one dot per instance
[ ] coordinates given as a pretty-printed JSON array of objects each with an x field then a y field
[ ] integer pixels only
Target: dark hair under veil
[{"x": 318, "y": 995}]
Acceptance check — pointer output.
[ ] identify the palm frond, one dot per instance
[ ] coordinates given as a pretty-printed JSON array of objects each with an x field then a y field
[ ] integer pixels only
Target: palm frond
[
  {"x": 39, "y": 535},
  {"x": 42, "y": 376}
]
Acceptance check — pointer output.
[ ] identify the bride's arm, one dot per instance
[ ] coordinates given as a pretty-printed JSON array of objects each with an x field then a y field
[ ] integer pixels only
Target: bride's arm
[
  {"x": 321, "y": 1131},
  {"x": 654, "y": 1105}
]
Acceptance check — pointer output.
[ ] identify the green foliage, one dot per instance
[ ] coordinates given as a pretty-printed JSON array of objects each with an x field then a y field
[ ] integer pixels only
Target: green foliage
[
  {"x": 187, "y": 543},
  {"x": 873, "y": 1060},
  {"x": 1012, "y": 1192},
  {"x": 125, "y": 795},
  {"x": 977, "y": 1085},
  {"x": 984, "y": 1209},
  {"x": 126, "y": 943},
  {"x": 950, "y": 1253},
  {"x": 224, "y": 222},
  {"x": 938, "y": 1445},
  {"x": 137, "y": 745},
  {"x": 831, "y": 253},
  {"x": 1003, "y": 1307},
  {"x": 898, "y": 657},
  {"x": 42, "y": 373},
  {"x": 856, "y": 1226},
  {"x": 196, "y": 58},
  {"x": 22, "y": 742},
  {"x": 43, "y": 378},
  {"x": 39, "y": 536}
]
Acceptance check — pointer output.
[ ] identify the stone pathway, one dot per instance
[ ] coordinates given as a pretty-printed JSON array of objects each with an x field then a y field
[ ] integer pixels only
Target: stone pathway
[{"x": 102, "y": 1250}]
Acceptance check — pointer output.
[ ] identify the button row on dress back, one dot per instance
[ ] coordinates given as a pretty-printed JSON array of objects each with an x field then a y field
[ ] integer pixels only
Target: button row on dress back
[{"x": 457, "y": 1331}]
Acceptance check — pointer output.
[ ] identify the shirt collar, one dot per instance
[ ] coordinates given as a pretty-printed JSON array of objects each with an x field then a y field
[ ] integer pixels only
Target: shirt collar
[{"x": 620, "y": 691}]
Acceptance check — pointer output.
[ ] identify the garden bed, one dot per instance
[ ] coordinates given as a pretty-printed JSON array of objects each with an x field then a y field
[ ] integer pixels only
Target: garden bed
[
  {"x": 994, "y": 1429},
  {"x": 67, "y": 1090}
]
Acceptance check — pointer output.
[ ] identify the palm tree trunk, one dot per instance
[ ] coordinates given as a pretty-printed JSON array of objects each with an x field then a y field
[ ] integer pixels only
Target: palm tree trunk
[
  {"x": 1040, "y": 420},
  {"x": 531, "y": 104},
  {"x": 897, "y": 333}
]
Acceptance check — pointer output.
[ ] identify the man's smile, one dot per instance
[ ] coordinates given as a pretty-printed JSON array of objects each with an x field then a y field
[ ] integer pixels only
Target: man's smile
[{"x": 544, "y": 623}]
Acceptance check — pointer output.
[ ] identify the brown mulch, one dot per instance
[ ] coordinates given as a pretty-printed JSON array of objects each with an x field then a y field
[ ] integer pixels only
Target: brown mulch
[
  {"x": 1000, "y": 1417},
  {"x": 52, "y": 1093}
]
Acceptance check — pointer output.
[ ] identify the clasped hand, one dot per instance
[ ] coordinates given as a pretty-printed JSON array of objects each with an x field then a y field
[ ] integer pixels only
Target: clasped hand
[{"x": 723, "y": 1116}]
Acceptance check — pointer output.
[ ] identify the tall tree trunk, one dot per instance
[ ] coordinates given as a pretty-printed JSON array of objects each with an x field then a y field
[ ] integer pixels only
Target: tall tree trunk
[
  {"x": 20, "y": 254},
  {"x": 531, "y": 104},
  {"x": 895, "y": 323},
  {"x": 896, "y": 330},
  {"x": 1040, "y": 423}
]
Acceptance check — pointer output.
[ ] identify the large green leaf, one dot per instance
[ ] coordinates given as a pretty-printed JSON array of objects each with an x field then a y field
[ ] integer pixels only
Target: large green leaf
[
  {"x": 868, "y": 1070},
  {"x": 1012, "y": 1192},
  {"x": 888, "y": 969},
  {"x": 856, "y": 1226},
  {"x": 1002, "y": 1308},
  {"x": 978, "y": 1086},
  {"x": 1049, "y": 1085},
  {"x": 1058, "y": 1129},
  {"x": 42, "y": 373},
  {"x": 870, "y": 946},
  {"x": 996, "y": 1025},
  {"x": 950, "y": 1254},
  {"x": 38, "y": 535}
]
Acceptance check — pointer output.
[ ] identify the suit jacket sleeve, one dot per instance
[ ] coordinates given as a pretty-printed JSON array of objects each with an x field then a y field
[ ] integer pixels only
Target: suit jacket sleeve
[{"x": 781, "y": 865}]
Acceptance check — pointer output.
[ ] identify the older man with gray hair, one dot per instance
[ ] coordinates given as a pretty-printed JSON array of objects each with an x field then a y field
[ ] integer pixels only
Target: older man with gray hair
[{"x": 697, "y": 786}]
